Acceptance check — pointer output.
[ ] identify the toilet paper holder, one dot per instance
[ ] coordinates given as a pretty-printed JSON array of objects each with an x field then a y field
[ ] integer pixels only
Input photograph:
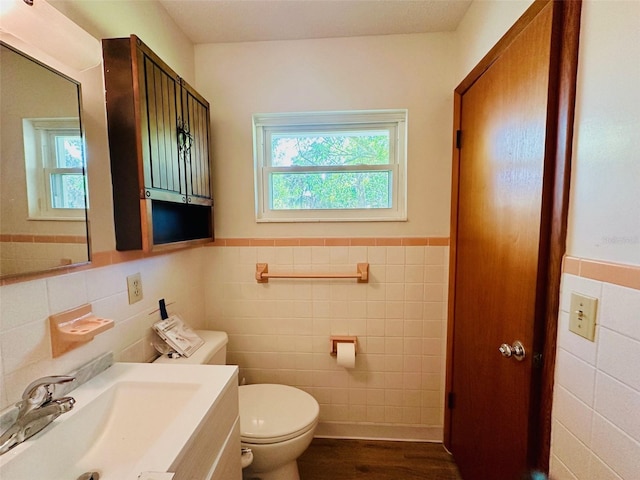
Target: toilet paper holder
[{"x": 336, "y": 339}]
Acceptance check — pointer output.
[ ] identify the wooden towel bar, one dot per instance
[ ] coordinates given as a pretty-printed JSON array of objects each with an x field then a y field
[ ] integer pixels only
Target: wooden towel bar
[{"x": 263, "y": 275}]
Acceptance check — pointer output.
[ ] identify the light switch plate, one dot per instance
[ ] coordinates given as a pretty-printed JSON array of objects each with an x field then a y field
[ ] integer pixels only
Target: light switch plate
[{"x": 582, "y": 318}]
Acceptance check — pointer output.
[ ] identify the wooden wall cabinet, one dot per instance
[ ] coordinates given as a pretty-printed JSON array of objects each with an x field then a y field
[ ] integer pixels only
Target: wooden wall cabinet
[{"x": 159, "y": 146}]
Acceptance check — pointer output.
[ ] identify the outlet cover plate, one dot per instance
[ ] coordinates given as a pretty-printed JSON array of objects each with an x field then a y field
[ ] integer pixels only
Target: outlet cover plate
[
  {"x": 134, "y": 287},
  {"x": 582, "y": 316}
]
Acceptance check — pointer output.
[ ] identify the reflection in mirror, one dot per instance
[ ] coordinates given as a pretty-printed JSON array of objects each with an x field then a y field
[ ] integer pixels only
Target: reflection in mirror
[{"x": 43, "y": 210}]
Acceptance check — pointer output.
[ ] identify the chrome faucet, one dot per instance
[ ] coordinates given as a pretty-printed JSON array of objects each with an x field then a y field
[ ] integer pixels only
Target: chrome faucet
[
  {"x": 37, "y": 409},
  {"x": 40, "y": 392}
]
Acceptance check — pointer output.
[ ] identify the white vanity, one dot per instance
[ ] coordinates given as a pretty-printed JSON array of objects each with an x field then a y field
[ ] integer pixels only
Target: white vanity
[{"x": 140, "y": 421}]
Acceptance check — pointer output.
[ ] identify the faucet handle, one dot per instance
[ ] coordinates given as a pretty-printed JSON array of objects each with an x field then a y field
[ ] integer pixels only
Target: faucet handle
[
  {"x": 40, "y": 391},
  {"x": 64, "y": 404}
]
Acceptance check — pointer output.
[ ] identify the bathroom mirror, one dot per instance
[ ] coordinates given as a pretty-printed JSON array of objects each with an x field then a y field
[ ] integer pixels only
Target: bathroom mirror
[{"x": 43, "y": 192}]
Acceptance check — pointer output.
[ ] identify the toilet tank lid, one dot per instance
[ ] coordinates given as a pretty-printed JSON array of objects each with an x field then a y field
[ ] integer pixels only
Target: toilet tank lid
[{"x": 213, "y": 342}]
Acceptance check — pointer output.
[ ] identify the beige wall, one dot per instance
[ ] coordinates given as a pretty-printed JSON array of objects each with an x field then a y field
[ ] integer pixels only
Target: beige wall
[
  {"x": 604, "y": 214},
  {"x": 482, "y": 26},
  {"x": 146, "y": 19},
  {"x": 396, "y": 71}
]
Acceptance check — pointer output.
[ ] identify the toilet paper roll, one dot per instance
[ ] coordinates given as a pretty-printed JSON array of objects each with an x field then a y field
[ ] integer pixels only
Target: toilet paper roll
[{"x": 346, "y": 354}]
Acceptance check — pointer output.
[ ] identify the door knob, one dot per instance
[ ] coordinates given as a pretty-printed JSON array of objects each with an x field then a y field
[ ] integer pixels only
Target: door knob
[{"x": 516, "y": 350}]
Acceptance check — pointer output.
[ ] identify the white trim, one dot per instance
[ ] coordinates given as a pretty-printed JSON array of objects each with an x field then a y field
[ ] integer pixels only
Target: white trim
[
  {"x": 40, "y": 165},
  {"x": 392, "y": 121},
  {"x": 367, "y": 117}
]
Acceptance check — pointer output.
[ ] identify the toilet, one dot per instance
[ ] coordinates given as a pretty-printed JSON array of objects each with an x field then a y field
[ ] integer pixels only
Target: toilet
[{"x": 277, "y": 422}]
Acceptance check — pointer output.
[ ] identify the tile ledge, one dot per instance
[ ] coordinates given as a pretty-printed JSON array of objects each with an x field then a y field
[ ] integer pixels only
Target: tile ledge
[
  {"x": 624, "y": 275},
  {"x": 83, "y": 374}
]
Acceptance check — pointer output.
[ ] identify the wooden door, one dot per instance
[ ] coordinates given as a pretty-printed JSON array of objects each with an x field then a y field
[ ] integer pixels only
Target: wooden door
[{"x": 503, "y": 232}]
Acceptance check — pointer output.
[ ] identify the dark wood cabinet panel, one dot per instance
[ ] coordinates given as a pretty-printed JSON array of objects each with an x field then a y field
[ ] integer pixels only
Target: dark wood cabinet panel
[
  {"x": 197, "y": 121},
  {"x": 159, "y": 146},
  {"x": 160, "y": 106}
]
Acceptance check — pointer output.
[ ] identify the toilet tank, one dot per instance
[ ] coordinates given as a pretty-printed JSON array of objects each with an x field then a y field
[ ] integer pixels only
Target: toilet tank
[{"x": 213, "y": 352}]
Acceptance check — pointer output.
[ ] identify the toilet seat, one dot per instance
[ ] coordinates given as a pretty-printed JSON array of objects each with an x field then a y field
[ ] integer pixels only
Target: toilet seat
[{"x": 275, "y": 413}]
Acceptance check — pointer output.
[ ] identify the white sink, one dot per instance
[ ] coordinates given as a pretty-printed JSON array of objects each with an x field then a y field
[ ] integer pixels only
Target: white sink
[{"x": 132, "y": 418}]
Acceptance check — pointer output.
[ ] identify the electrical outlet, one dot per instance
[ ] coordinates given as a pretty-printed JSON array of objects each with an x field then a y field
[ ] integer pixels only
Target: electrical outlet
[
  {"x": 134, "y": 287},
  {"x": 582, "y": 318}
]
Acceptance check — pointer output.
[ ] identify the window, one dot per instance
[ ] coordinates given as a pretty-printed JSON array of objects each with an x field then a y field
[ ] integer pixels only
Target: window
[
  {"x": 330, "y": 166},
  {"x": 55, "y": 169}
]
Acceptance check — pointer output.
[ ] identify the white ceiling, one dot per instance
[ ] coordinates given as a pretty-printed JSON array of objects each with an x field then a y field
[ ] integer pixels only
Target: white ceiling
[{"x": 221, "y": 21}]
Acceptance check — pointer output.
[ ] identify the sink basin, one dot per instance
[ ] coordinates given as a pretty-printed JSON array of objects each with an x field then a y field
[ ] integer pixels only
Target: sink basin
[{"x": 132, "y": 418}]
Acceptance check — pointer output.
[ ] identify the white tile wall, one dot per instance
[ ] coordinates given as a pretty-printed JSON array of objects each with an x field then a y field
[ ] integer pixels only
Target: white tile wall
[
  {"x": 25, "y": 347},
  {"x": 279, "y": 331},
  {"x": 16, "y": 256},
  {"x": 596, "y": 411}
]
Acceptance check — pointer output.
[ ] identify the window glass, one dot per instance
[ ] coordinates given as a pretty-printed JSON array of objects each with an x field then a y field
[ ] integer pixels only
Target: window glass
[
  {"x": 68, "y": 151},
  {"x": 330, "y": 148}
]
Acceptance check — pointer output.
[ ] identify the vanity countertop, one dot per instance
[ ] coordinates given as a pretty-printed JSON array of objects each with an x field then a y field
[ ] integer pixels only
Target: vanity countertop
[{"x": 131, "y": 418}]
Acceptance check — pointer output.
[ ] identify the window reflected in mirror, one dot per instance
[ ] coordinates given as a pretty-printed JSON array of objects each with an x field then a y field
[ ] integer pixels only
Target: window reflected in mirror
[{"x": 43, "y": 188}]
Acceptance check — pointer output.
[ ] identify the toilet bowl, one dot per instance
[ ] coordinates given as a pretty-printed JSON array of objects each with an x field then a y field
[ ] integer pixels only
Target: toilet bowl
[{"x": 277, "y": 422}]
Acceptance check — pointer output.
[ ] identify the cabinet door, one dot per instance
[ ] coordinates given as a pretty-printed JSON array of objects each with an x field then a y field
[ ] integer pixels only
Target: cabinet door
[
  {"x": 160, "y": 107},
  {"x": 196, "y": 153}
]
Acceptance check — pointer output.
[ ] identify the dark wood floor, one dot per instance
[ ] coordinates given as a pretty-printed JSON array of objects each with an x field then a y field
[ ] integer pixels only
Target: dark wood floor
[{"x": 330, "y": 459}]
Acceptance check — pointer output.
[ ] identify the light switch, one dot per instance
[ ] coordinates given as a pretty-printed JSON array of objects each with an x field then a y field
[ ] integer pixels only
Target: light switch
[{"x": 582, "y": 319}]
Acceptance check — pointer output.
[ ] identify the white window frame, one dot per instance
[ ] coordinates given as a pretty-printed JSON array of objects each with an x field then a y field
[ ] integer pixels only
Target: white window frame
[
  {"x": 41, "y": 164},
  {"x": 267, "y": 124}
]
